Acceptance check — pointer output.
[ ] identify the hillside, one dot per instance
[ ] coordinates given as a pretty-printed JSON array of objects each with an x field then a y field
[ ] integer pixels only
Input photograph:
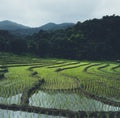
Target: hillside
[
  {"x": 53, "y": 26},
  {"x": 10, "y": 43},
  {"x": 93, "y": 39},
  {"x": 46, "y": 27},
  {"x": 9, "y": 25},
  {"x": 96, "y": 39},
  {"x": 21, "y": 30}
]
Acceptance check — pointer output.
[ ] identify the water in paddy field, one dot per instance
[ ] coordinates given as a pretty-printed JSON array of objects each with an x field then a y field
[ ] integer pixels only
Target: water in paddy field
[
  {"x": 71, "y": 101},
  {"x": 60, "y": 100},
  {"x": 19, "y": 114},
  {"x": 16, "y": 99}
]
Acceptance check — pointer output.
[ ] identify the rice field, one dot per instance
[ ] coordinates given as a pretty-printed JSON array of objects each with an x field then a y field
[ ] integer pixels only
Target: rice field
[{"x": 68, "y": 86}]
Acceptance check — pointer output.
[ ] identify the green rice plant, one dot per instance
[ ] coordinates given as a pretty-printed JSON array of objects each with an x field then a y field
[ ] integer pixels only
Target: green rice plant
[{"x": 65, "y": 81}]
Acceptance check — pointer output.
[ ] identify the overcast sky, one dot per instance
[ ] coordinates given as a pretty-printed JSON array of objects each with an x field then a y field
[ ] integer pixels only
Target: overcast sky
[{"x": 38, "y": 12}]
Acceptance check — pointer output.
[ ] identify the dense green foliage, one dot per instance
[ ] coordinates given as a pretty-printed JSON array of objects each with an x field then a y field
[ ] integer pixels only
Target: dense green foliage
[{"x": 93, "y": 39}]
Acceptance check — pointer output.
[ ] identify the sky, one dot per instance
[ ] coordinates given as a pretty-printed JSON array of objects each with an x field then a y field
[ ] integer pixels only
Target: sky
[{"x": 35, "y": 13}]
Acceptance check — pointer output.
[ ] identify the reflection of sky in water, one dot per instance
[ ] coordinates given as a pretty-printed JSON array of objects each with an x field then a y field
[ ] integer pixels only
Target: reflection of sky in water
[
  {"x": 63, "y": 100},
  {"x": 18, "y": 114},
  {"x": 71, "y": 101},
  {"x": 11, "y": 100}
]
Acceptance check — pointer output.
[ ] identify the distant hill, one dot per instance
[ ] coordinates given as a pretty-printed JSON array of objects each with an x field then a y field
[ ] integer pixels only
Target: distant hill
[
  {"x": 21, "y": 30},
  {"x": 95, "y": 39},
  {"x": 53, "y": 26},
  {"x": 9, "y": 25},
  {"x": 48, "y": 26}
]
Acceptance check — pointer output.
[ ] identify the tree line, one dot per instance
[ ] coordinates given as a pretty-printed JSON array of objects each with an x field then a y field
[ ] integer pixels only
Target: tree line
[{"x": 94, "y": 39}]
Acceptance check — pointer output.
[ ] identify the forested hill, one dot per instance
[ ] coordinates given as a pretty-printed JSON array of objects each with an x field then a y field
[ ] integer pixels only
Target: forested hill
[
  {"x": 93, "y": 39},
  {"x": 10, "y": 43},
  {"x": 46, "y": 27},
  {"x": 9, "y": 25},
  {"x": 21, "y": 30}
]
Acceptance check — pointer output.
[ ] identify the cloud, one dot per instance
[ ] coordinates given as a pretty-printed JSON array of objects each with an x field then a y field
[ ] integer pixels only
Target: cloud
[{"x": 38, "y": 12}]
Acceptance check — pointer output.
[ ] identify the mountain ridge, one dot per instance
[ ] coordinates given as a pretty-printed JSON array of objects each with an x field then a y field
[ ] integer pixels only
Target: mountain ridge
[
  {"x": 46, "y": 27},
  {"x": 94, "y": 39},
  {"x": 10, "y": 25},
  {"x": 21, "y": 30}
]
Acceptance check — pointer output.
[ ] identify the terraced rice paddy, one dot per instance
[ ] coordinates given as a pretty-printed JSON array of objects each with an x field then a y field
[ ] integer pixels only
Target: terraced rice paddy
[{"x": 65, "y": 85}]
